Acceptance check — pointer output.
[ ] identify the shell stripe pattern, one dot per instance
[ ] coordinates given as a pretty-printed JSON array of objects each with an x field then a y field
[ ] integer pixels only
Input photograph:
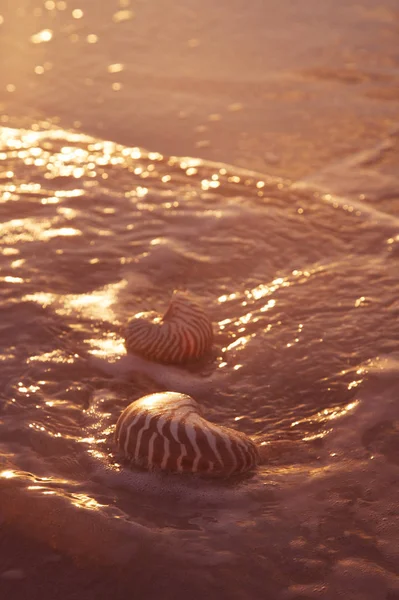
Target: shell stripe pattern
[
  {"x": 166, "y": 431},
  {"x": 182, "y": 334}
]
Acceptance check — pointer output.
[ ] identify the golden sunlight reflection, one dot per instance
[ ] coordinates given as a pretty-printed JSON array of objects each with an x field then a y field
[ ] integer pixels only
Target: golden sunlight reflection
[
  {"x": 9, "y": 279},
  {"x": 91, "y": 159},
  {"x": 42, "y": 36},
  {"x": 63, "y": 231},
  {"x": 259, "y": 292},
  {"x": 239, "y": 342},
  {"x": 244, "y": 319},
  {"x": 360, "y": 301},
  {"x": 54, "y": 356},
  {"x": 69, "y": 193},
  {"x": 328, "y": 414},
  {"x": 51, "y": 200},
  {"x": 155, "y": 156},
  {"x": 32, "y": 229},
  {"x": 94, "y": 305},
  {"x": 268, "y": 305},
  {"x": 222, "y": 324},
  {"x": 97, "y": 304},
  {"x": 54, "y": 434},
  {"x": 341, "y": 411},
  {"x": 115, "y": 68},
  {"x": 7, "y": 356},
  {"x": 264, "y": 290},
  {"x": 110, "y": 346},
  {"x": 354, "y": 383},
  {"x": 227, "y": 297},
  {"x": 191, "y": 171},
  {"x": 141, "y": 192},
  {"x": 42, "y": 298},
  {"x": 122, "y": 15},
  {"x": 8, "y": 474},
  {"x": 32, "y": 148},
  {"x": 27, "y": 390},
  {"x": 206, "y": 184},
  {"x": 97, "y": 453},
  {"x": 88, "y": 440},
  {"x": 84, "y": 501},
  {"x": 316, "y": 436}
]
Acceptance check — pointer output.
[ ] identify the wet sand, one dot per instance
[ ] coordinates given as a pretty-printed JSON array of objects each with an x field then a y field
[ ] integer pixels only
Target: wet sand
[{"x": 277, "y": 88}]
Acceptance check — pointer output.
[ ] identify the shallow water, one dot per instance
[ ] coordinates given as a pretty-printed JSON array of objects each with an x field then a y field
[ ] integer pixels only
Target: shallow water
[
  {"x": 301, "y": 281},
  {"x": 302, "y": 289}
]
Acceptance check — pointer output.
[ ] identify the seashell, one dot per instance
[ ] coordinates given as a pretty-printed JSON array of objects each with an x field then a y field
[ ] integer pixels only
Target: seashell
[
  {"x": 183, "y": 333},
  {"x": 167, "y": 431}
]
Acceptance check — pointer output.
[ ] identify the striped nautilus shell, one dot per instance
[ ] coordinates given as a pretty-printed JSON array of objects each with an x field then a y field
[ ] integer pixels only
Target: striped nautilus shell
[
  {"x": 182, "y": 334},
  {"x": 166, "y": 431}
]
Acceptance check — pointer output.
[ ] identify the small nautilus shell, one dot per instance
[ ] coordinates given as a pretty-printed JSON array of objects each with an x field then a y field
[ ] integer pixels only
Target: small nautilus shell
[
  {"x": 166, "y": 431},
  {"x": 183, "y": 333}
]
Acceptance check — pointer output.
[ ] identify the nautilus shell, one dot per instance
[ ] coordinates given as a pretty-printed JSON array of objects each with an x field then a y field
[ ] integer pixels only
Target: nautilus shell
[
  {"x": 166, "y": 431},
  {"x": 183, "y": 333}
]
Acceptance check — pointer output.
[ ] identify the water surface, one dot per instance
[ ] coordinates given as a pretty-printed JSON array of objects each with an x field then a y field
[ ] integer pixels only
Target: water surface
[{"x": 295, "y": 261}]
